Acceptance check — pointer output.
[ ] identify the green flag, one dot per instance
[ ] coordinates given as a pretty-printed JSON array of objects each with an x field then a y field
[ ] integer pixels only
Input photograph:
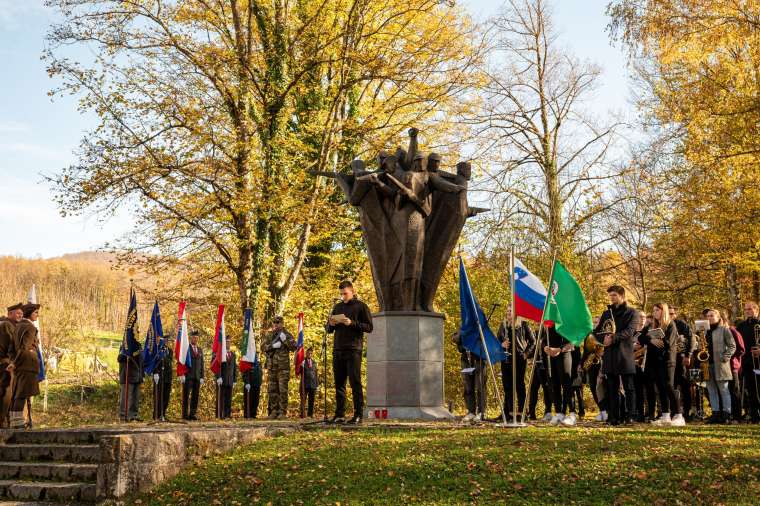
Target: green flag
[{"x": 567, "y": 307}]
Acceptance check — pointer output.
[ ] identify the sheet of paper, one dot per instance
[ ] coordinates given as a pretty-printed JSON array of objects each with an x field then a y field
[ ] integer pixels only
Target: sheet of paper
[{"x": 468, "y": 370}]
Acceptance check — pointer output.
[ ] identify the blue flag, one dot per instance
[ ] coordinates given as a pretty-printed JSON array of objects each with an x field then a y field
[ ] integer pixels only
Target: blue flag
[
  {"x": 471, "y": 315},
  {"x": 154, "y": 342},
  {"x": 129, "y": 344}
]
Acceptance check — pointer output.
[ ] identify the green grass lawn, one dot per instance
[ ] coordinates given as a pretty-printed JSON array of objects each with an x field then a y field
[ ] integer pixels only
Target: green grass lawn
[{"x": 637, "y": 465}]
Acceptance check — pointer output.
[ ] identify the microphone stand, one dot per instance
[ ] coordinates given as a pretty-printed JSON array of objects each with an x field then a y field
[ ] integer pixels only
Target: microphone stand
[{"x": 324, "y": 362}]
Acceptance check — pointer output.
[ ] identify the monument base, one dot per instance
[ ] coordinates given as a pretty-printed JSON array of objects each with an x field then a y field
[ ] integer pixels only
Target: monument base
[{"x": 405, "y": 366}]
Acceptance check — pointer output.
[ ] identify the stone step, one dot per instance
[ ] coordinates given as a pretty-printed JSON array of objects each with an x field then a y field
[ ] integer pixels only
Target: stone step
[
  {"x": 55, "y": 471},
  {"x": 86, "y": 454},
  {"x": 48, "y": 491},
  {"x": 57, "y": 436}
]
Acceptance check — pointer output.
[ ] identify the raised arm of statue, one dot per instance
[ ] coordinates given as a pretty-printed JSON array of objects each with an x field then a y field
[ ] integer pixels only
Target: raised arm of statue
[
  {"x": 440, "y": 184},
  {"x": 413, "y": 148},
  {"x": 474, "y": 211},
  {"x": 374, "y": 179}
]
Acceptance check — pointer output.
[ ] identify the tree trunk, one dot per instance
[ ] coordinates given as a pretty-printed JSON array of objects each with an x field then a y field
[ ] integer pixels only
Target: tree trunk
[{"x": 732, "y": 290}]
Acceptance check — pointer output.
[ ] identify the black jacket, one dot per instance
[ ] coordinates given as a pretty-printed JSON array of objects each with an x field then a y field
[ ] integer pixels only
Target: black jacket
[
  {"x": 618, "y": 357},
  {"x": 349, "y": 337},
  {"x": 228, "y": 373},
  {"x": 690, "y": 340},
  {"x": 135, "y": 368},
  {"x": 665, "y": 355},
  {"x": 747, "y": 329},
  {"x": 310, "y": 375},
  {"x": 525, "y": 343}
]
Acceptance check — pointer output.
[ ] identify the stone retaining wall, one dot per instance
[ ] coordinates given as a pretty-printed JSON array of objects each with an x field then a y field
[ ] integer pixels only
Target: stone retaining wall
[{"x": 138, "y": 461}]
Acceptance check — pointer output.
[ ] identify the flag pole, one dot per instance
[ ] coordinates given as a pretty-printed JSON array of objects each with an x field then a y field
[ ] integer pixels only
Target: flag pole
[
  {"x": 126, "y": 350},
  {"x": 485, "y": 349},
  {"x": 514, "y": 332},
  {"x": 540, "y": 330}
]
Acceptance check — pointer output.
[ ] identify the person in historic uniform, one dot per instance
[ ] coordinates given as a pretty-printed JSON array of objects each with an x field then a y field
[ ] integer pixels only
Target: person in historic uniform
[
  {"x": 617, "y": 327},
  {"x": 524, "y": 347},
  {"x": 130, "y": 379},
  {"x": 350, "y": 319},
  {"x": 225, "y": 381},
  {"x": 25, "y": 365},
  {"x": 7, "y": 336},
  {"x": 278, "y": 345},
  {"x": 162, "y": 379},
  {"x": 192, "y": 379}
]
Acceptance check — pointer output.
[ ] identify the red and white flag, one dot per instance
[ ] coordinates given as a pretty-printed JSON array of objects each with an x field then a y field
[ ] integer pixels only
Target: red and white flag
[
  {"x": 182, "y": 343},
  {"x": 220, "y": 343}
]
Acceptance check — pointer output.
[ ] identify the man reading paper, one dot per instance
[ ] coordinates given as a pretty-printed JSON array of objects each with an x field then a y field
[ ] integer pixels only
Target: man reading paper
[{"x": 349, "y": 320}]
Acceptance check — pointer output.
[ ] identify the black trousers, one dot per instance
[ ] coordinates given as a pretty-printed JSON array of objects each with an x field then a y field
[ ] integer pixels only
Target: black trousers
[
  {"x": 162, "y": 391},
  {"x": 224, "y": 401},
  {"x": 347, "y": 365},
  {"x": 683, "y": 385},
  {"x": 662, "y": 375},
  {"x": 474, "y": 386},
  {"x": 734, "y": 389},
  {"x": 540, "y": 380},
  {"x": 310, "y": 394},
  {"x": 562, "y": 383},
  {"x": 752, "y": 397},
  {"x": 190, "y": 390},
  {"x": 251, "y": 399},
  {"x": 506, "y": 383},
  {"x": 643, "y": 383},
  {"x": 593, "y": 377},
  {"x": 619, "y": 402}
]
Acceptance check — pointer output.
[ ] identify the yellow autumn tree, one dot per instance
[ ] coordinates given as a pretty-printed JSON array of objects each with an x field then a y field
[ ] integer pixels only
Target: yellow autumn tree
[{"x": 698, "y": 61}]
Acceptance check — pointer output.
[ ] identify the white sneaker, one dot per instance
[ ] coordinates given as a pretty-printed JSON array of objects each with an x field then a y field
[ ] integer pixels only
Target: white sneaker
[
  {"x": 601, "y": 417},
  {"x": 479, "y": 417},
  {"x": 547, "y": 417},
  {"x": 557, "y": 419},
  {"x": 469, "y": 417},
  {"x": 663, "y": 421},
  {"x": 569, "y": 420},
  {"x": 678, "y": 421}
]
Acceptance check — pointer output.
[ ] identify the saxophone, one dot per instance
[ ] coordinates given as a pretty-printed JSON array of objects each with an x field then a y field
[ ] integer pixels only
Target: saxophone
[
  {"x": 596, "y": 350},
  {"x": 703, "y": 357},
  {"x": 640, "y": 355}
]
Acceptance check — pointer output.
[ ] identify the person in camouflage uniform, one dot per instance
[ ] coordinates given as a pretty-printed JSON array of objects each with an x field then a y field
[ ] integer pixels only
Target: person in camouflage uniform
[{"x": 278, "y": 345}]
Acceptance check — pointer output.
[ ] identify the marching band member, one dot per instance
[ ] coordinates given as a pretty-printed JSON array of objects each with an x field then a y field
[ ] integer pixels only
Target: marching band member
[
  {"x": 661, "y": 339},
  {"x": 749, "y": 328},
  {"x": 721, "y": 347}
]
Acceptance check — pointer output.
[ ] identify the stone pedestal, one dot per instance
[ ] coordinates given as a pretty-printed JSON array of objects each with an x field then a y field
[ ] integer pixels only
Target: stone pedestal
[{"x": 405, "y": 366}]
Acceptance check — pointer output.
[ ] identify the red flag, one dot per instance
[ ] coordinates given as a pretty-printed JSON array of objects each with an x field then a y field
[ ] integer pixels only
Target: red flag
[{"x": 220, "y": 342}]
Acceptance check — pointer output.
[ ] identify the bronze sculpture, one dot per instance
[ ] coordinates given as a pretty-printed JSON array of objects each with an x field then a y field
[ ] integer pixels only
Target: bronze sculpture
[{"x": 411, "y": 216}]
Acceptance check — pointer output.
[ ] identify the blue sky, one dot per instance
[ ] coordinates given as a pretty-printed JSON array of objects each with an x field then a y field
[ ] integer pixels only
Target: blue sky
[{"x": 38, "y": 136}]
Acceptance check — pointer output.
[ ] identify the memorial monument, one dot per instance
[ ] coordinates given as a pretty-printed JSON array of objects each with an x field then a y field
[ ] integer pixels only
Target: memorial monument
[{"x": 412, "y": 214}]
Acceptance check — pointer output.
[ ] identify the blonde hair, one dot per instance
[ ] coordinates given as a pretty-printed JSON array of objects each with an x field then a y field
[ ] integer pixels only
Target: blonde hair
[{"x": 664, "y": 320}]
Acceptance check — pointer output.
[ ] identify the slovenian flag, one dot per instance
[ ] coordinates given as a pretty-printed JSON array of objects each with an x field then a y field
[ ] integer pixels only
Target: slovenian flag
[
  {"x": 249, "y": 343},
  {"x": 219, "y": 348},
  {"x": 182, "y": 343},
  {"x": 530, "y": 294},
  {"x": 32, "y": 299},
  {"x": 299, "y": 346}
]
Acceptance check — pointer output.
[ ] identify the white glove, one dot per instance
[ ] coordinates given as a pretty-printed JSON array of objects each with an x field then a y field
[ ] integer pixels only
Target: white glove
[
  {"x": 219, "y": 381},
  {"x": 202, "y": 380},
  {"x": 276, "y": 345},
  {"x": 247, "y": 386},
  {"x": 155, "y": 379},
  {"x": 182, "y": 379}
]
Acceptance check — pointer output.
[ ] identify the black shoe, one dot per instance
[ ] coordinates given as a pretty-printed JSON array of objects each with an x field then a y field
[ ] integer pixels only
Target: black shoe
[
  {"x": 338, "y": 419},
  {"x": 357, "y": 420},
  {"x": 713, "y": 419},
  {"x": 193, "y": 418}
]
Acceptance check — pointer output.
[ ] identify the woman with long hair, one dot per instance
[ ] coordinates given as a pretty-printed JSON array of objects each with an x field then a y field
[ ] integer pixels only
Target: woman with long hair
[
  {"x": 721, "y": 346},
  {"x": 661, "y": 338}
]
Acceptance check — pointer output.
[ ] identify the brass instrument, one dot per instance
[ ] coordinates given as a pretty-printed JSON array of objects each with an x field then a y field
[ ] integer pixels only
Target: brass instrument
[
  {"x": 640, "y": 357},
  {"x": 681, "y": 345},
  {"x": 608, "y": 325},
  {"x": 596, "y": 350},
  {"x": 703, "y": 357}
]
